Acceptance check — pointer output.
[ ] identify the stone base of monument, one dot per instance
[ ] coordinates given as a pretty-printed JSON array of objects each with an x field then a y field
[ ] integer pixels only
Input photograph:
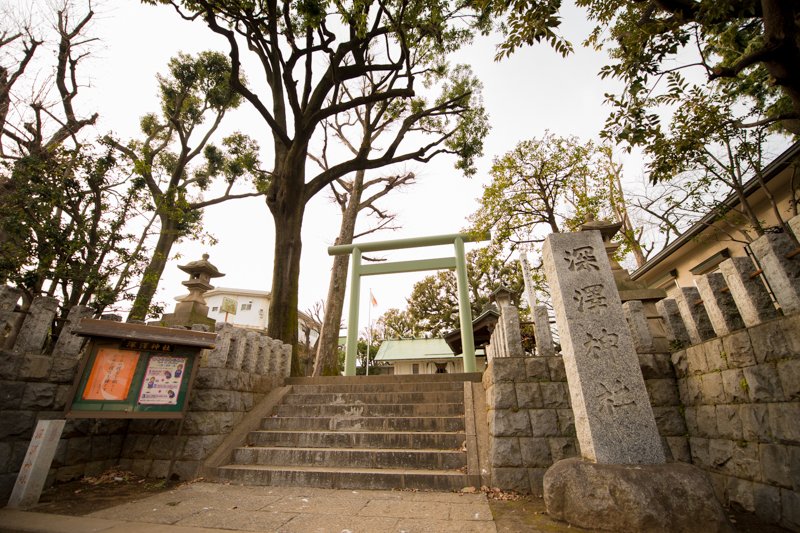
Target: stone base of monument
[{"x": 666, "y": 497}]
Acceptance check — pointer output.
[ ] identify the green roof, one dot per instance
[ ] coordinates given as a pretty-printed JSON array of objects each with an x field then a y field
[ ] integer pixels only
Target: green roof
[{"x": 414, "y": 349}]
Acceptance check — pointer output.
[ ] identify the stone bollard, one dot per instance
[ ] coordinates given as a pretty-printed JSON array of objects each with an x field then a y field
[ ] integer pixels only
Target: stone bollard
[
  {"x": 637, "y": 322},
  {"x": 719, "y": 304},
  {"x": 218, "y": 357},
  {"x": 262, "y": 364},
  {"x": 747, "y": 290},
  {"x": 237, "y": 348},
  {"x": 251, "y": 351},
  {"x": 673, "y": 321},
  {"x": 694, "y": 314},
  {"x": 69, "y": 344},
  {"x": 542, "y": 332},
  {"x": 33, "y": 334},
  {"x": 782, "y": 270}
]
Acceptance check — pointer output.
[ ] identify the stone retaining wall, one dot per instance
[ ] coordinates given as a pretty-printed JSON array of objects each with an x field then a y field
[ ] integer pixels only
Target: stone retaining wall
[
  {"x": 34, "y": 386},
  {"x": 740, "y": 393}
]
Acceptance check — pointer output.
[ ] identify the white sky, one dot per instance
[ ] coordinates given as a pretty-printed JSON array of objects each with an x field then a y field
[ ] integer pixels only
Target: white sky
[{"x": 534, "y": 90}]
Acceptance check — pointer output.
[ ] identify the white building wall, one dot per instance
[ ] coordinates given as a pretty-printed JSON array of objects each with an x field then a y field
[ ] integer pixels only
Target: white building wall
[{"x": 251, "y": 311}]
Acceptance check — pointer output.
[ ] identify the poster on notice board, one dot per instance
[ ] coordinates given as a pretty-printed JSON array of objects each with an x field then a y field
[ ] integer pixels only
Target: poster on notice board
[
  {"x": 162, "y": 380},
  {"x": 111, "y": 375}
]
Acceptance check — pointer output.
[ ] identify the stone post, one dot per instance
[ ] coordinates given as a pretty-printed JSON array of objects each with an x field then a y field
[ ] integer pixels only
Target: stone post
[
  {"x": 33, "y": 334},
  {"x": 694, "y": 314},
  {"x": 218, "y": 357},
  {"x": 251, "y": 351},
  {"x": 542, "y": 333},
  {"x": 69, "y": 344},
  {"x": 673, "y": 321},
  {"x": 509, "y": 318},
  {"x": 262, "y": 365},
  {"x": 8, "y": 318},
  {"x": 751, "y": 296},
  {"x": 237, "y": 348},
  {"x": 782, "y": 269},
  {"x": 640, "y": 329},
  {"x": 287, "y": 360},
  {"x": 719, "y": 303},
  {"x": 613, "y": 417}
]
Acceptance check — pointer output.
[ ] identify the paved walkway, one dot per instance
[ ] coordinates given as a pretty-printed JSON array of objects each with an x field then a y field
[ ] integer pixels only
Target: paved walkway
[{"x": 207, "y": 507}]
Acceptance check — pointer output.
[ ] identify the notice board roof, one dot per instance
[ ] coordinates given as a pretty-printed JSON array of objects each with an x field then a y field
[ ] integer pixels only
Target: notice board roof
[{"x": 121, "y": 330}]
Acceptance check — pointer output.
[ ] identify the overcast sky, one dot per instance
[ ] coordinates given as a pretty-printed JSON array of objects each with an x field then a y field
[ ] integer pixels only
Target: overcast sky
[{"x": 533, "y": 91}]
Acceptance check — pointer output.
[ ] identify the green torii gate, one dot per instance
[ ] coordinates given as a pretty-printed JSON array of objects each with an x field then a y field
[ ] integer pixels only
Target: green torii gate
[{"x": 458, "y": 262}]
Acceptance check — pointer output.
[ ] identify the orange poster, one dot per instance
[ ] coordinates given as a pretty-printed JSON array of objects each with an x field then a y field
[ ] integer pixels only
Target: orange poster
[{"x": 111, "y": 376}]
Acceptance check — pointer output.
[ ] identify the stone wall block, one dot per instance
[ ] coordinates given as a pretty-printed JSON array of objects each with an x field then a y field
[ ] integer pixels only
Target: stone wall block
[
  {"x": 696, "y": 359},
  {"x": 529, "y": 395},
  {"x": 767, "y": 501},
  {"x": 669, "y": 421},
  {"x": 555, "y": 366},
  {"x": 692, "y": 392},
  {"x": 543, "y": 422},
  {"x": 720, "y": 453},
  {"x": 637, "y": 322},
  {"x": 740, "y": 492},
  {"x": 716, "y": 358},
  {"x": 729, "y": 424},
  {"x": 33, "y": 334},
  {"x": 509, "y": 368},
  {"x": 536, "y": 368},
  {"x": 563, "y": 448},
  {"x": 515, "y": 479},
  {"x": 783, "y": 422},
  {"x": 11, "y": 394},
  {"x": 679, "y": 449},
  {"x": 505, "y": 451},
  {"x": 775, "y": 465},
  {"x": 789, "y": 375},
  {"x": 507, "y": 423},
  {"x": 35, "y": 366},
  {"x": 713, "y": 392},
  {"x": 63, "y": 370},
  {"x": 38, "y": 396},
  {"x": 674, "y": 326},
  {"x": 707, "y": 421},
  {"x": 719, "y": 304},
  {"x": 763, "y": 383},
  {"x": 790, "y": 509},
  {"x": 700, "y": 453},
  {"x": 734, "y": 385},
  {"x": 748, "y": 291},
  {"x": 771, "y": 342},
  {"x": 566, "y": 422},
  {"x": 554, "y": 395},
  {"x": 738, "y": 350},
  {"x": 694, "y": 314},
  {"x": 782, "y": 273},
  {"x": 680, "y": 362},
  {"x": 501, "y": 396},
  {"x": 535, "y": 452},
  {"x": 755, "y": 422},
  {"x": 794, "y": 466},
  {"x": 690, "y": 416},
  {"x": 662, "y": 391}
]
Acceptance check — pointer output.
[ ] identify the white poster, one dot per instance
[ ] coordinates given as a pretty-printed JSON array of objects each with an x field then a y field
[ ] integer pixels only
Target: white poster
[{"x": 162, "y": 380}]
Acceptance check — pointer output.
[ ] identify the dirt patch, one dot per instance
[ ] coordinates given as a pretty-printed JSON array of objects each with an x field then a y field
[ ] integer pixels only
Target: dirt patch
[{"x": 115, "y": 487}]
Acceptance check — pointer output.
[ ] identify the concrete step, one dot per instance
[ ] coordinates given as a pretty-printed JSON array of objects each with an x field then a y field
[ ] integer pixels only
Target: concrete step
[
  {"x": 354, "y": 457},
  {"x": 421, "y": 386},
  {"x": 378, "y": 409},
  {"x": 432, "y": 397},
  {"x": 406, "y": 378},
  {"x": 362, "y": 423},
  {"x": 347, "y": 478},
  {"x": 359, "y": 439}
]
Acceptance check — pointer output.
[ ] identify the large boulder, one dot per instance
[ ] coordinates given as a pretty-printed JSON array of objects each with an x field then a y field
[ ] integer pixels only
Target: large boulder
[{"x": 666, "y": 497}]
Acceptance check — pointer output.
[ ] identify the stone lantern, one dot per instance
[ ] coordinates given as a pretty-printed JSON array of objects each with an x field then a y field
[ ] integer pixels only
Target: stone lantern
[{"x": 192, "y": 309}]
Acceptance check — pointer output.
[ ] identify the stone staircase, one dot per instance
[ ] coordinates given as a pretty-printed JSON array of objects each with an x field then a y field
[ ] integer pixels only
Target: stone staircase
[{"x": 362, "y": 432}]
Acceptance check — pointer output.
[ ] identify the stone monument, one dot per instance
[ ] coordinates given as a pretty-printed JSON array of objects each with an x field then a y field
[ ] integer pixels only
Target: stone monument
[
  {"x": 192, "y": 309},
  {"x": 622, "y": 482}
]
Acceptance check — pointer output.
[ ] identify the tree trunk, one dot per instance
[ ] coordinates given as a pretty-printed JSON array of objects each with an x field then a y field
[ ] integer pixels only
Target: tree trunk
[
  {"x": 152, "y": 274},
  {"x": 282, "y": 325}
]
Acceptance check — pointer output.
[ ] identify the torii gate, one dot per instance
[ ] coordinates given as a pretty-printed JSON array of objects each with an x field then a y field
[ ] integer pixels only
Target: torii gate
[{"x": 458, "y": 262}]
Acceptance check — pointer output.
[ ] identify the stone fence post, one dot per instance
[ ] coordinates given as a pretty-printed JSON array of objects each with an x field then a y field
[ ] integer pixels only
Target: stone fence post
[
  {"x": 35, "y": 329},
  {"x": 777, "y": 253}
]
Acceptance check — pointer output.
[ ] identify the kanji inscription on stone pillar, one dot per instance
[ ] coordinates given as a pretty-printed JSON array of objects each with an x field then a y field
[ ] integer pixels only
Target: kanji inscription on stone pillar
[{"x": 613, "y": 416}]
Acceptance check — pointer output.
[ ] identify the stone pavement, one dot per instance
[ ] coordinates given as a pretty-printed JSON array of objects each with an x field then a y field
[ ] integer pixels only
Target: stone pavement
[{"x": 206, "y": 507}]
